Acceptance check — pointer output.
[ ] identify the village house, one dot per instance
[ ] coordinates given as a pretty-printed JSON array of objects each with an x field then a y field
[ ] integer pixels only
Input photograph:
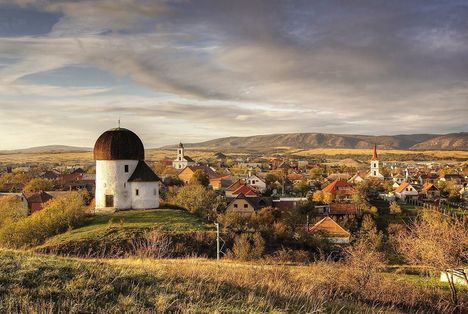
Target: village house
[
  {"x": 358, "y": 177},
  {"x": 406, "y": 192},
  {"x": 398, "y": 179},
  {"x": 333, "y": 232},
  {"x": 288, "y": 203},
  {"x": 221, "y": 182},
  {"x": 247, "y": 205},
  {"x": 186, "y": 174},
  {"x": 182, "y": 161},
  {"x": 341, "y": 190},
  {"x": 34, "y": 201},
  {"x": 255, "y": 181},
  {"x": 429, "y": 191}
]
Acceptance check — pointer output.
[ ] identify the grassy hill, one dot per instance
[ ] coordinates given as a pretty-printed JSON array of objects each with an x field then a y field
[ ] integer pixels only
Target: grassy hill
[
  {"x": 49, "y": 284},
  {"x": 114, "y": 235}
]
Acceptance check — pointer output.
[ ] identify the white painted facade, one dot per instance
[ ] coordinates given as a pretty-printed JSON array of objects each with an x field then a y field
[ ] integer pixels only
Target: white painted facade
[
  {"x": 112, "y": 184},
  {"x": 256, "y": 182},
  {"x": 374, "y": 169},
  {"x": 145, "y": 195},
  {"x": 181, "y": 161}
]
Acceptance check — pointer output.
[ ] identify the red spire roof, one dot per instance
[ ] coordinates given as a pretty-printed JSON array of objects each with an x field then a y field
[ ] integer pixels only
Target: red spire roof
[{"x": 374, "y": 157}]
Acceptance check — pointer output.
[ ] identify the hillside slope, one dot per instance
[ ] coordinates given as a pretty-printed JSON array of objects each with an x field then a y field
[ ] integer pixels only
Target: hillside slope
[
  {"x": 123, "y": 233},
  {"x": 46, "y": 149},
  {"x": 32, "y": 283},
  {"x": 458, "y": 141}
]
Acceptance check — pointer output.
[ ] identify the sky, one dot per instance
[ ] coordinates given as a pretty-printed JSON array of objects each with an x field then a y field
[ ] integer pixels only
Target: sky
[{"x": 197, "y": 70}]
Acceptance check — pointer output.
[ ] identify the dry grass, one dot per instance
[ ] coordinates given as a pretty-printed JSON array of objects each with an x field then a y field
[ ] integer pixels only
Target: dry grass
[
  {"x": 74, "y": 158},
  {"x": 48, "y": 284}
]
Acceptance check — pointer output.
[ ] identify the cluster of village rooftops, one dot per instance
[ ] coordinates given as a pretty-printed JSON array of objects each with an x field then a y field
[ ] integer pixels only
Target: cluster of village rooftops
[{"x": 123, "y": 181}]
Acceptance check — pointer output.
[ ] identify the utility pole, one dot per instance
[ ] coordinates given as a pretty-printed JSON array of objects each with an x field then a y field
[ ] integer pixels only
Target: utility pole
[{"x": 217, "y": 240}]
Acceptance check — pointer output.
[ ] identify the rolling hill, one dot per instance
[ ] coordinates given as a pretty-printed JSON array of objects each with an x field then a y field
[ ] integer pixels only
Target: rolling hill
[
  {"x": 455, "y": 141},
  {"x": 47, "y": 149}
]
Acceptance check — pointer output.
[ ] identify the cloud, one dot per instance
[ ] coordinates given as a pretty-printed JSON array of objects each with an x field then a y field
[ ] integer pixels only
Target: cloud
[{"x": 241, "y": 66}]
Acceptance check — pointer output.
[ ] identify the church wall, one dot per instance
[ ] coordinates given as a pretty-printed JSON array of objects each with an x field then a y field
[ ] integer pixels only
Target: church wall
[
  {"x": 148, "y": 195},
  {"x": 111, "y": 179}
]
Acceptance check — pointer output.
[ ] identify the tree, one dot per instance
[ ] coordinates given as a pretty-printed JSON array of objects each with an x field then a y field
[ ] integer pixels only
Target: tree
[
  {"x": 195, "y": 198},
  {"x": 438, "y": 241},
  {"x": 38, "y": 184},
  {"x": 318, "y": 196},
  {"x": 368, "y": 233},
  {"x": 248, "y": 247},
  {"x": 328, "y": 198},
  {"x": 395, "y": 208},
  {"x": 200, "y": 177},
  {"x": 301, "y": 188}
]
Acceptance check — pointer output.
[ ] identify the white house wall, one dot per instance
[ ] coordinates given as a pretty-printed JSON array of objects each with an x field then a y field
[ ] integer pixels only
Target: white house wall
[
  {"x": 111, "y": 179},
  {"x": 148, "y": 195}
]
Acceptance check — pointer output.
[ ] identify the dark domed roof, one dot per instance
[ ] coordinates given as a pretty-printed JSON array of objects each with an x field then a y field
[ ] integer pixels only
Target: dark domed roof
[{"x": 119, "y": 144}]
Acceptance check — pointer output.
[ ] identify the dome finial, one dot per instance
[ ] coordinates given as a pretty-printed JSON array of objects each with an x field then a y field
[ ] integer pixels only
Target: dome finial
[{"x": 119, "y": 122}]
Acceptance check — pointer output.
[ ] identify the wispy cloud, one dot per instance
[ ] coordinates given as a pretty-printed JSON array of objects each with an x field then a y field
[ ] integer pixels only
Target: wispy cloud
[{"x": 237, "y": 68}]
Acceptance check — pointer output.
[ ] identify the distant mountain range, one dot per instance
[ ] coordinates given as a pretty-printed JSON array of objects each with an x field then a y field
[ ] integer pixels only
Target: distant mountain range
[
  {"x": 454, "y": 141},
  {"x": 46, "y": 149}
]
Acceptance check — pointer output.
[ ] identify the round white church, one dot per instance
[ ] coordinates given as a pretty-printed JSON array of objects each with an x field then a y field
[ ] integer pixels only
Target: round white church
[{"x": 123, "y": 179}]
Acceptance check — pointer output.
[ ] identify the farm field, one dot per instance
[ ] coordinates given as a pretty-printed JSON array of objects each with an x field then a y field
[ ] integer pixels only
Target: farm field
[{"x": 72, "y": 158}]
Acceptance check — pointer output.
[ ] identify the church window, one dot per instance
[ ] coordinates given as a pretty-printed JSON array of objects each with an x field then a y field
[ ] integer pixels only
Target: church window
[
  {"x": 246, "y": 205},
  {"x": 126, "y": 168},
  {"x": 137, "y": 192},
  {"x": 375, "y": 173},
  {"x": 125, "y": 184},
  {"x": 235, "y": 205}
]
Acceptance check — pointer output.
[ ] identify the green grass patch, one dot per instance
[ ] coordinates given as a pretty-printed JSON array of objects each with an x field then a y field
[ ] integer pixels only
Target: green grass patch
[{"x": 119, "y": 224}]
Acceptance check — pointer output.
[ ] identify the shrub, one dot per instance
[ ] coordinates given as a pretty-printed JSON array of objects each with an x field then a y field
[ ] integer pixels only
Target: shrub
[
  {"x": 38, "y": 184},
  {"x": 395, "y": 208},
  {"x": 248, "y": 247},
  {"x": 195, "y": 198},
  {"x": 57, "y": 216},
  {"x": 11, "y": 209}
]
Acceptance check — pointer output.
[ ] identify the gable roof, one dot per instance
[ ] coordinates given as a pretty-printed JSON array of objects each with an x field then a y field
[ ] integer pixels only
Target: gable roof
[
  {"x": 402, "y": 187},
  {"x": 37, "y": 197},
  {"x": 429, "y": 186},
  {"x": 187, "y": 158},
  {"x": 143, "y": 173},
  {"x": 330, "y": 227},
  {"x": 339, "y": 187},
  {"x": 255, "y": 202},
  {"x": 235, "y": 185},
  {"x": 246, "y": 190}
]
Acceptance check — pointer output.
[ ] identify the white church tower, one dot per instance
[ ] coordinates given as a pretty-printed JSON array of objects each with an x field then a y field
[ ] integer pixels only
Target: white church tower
[
  {"x": 123, "y": 179},
  {"x": 182, "y": 161},
  {"x": 374, "y": 168}
]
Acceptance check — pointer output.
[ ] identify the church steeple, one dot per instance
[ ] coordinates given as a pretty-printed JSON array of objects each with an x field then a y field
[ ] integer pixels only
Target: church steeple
[
  {"x": 374, "y": 165},
  {"x": 374, "y": 156}
]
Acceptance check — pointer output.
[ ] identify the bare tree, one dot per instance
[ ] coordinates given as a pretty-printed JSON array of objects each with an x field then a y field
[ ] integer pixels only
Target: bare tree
[{"x": 438, "y": 241}]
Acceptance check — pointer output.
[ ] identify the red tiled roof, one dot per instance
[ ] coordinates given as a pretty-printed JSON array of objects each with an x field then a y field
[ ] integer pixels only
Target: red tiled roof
[
  {"x": 246, "y": 190},
  {"x": 339, "y": 187},
  {"x": 235, "y": 185},
  {"x": 428, "y": 186},
  {"x": 343, "y": 209},
  {"x": 402, "y": 187},
  {"x": 330, "y": 227}
]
